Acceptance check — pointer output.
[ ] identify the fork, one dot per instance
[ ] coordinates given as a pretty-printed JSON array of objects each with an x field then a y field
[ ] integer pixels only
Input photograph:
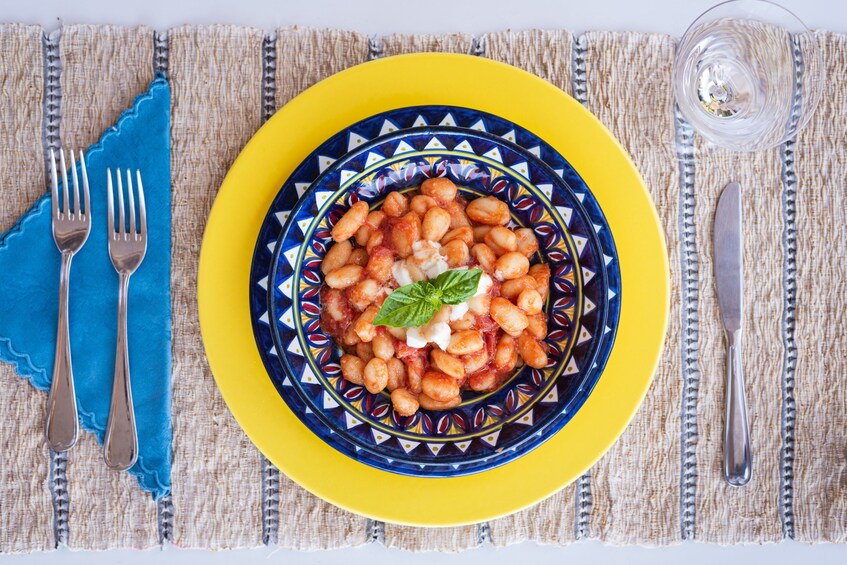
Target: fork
[
  {"x": 127, "y": 248},
  {"x": 71, "y": 226}
]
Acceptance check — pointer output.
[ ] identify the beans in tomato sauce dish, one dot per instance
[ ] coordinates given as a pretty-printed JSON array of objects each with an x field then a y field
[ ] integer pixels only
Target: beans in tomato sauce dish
[{"x": 431, "y": 295}]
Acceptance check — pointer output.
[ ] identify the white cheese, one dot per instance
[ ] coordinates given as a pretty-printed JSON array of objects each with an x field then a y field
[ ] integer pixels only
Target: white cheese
[
  {"x": 426, "y": 262},
  {"x": 458, "y": 310},
  {"x": 439, "y": 334},
  {"x": 485, "y": 283},
  {"x": 415, "y": 338},
  {"x": 401, "y": 273},
  {"x": 427, "y": 255}
]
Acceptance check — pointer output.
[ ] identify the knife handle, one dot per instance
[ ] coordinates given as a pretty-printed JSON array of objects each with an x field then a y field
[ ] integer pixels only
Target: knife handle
[{"x": 737, "y": 458}]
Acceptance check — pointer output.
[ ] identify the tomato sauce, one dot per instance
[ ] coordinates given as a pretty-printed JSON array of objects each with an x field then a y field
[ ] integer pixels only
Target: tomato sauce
[{"x": 337, "y": 326}]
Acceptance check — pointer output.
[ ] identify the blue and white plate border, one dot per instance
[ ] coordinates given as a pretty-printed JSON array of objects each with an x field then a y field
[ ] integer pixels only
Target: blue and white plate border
[{"x": 361, "y": 133}]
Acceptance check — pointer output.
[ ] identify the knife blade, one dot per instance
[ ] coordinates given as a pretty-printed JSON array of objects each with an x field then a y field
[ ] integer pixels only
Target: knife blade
[
  {"x": 729, "y": 262},
  {"x": 729, "y": 280}
]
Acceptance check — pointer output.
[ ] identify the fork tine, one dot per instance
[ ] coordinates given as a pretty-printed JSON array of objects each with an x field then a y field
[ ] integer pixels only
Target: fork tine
[
  {"x": 131, "y": 204},
  {"x": 142, "y": 209},
  {"x": 66, "y": 206},
  {"x": 85, "y": 191},
  {"x": 121, "y": 222},
  {"x": 110, "y": 200},
  {"x": 54, "y": 184},
  {"x": 75, "y": 177}
]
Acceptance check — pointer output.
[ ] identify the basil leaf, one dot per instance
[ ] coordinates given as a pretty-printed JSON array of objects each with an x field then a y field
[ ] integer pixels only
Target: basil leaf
[
  {"x": 409, "y": 306},
  {"x": 457, "y": 285},
  {"x": 415, "y": 304}
]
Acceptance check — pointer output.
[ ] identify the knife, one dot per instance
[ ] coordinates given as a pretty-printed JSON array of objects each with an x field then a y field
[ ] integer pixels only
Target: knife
[{"x": 729, "y": 276}]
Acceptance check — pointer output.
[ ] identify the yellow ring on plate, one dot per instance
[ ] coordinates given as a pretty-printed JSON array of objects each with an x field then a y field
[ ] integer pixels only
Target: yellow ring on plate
[{"x": 273, "y": 154}]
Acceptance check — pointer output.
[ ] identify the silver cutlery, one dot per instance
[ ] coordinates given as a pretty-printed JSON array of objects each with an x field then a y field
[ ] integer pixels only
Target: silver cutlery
[
  {"x": 729, "y": 276},
  {"x": 71, "y": 221},
  {"x": 127, "y": 247}
]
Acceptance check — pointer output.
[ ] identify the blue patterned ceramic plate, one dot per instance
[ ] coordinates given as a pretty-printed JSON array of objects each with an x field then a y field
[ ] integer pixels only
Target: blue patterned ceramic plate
[{"x": 486, "y": 430}]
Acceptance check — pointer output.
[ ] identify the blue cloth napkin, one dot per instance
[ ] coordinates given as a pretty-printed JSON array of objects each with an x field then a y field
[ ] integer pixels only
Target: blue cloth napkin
[{"x": 29, "y": 285}]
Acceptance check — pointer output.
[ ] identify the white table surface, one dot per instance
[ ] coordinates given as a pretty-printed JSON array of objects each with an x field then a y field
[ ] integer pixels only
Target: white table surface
[{"x": 427, "y": 16}]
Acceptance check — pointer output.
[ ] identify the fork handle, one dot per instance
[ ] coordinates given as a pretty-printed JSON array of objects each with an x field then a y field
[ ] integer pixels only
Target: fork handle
[
  {"x": 61, "y": 428},
  {"x": 121, "y": 444}
]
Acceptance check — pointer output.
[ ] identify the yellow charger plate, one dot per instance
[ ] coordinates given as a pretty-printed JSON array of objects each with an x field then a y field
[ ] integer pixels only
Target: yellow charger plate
[{"x": 273, "y": 154}]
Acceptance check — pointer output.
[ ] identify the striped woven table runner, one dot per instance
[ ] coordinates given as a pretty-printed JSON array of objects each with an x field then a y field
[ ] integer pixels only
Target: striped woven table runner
[{"x": 661, "y": 482}]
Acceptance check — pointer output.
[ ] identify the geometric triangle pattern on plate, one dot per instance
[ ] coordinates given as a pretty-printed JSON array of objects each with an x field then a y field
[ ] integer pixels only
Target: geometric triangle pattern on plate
[
  {"x": 287, "y": 318},
  {"x": 580, "y": 243},
  {"x": 403, "y": 147},
  {"x": 464, "y": 146},
  {"x": 494, "y": 154},
  {"x": 398, "y": 451},
  {"x": 479, "y": 125},
  {"x": 355, "y": 140},
  {"x": 408, "y": 445},
  {"x": 491, "y": 439},
  {"x": 329, "y": 401},
  {"x": 373, "y": 158},
  {"x": 324, "y": 162},
  {"x": 564, "y": 211},
  {"x": 523, "y": 170},
  {"x": 388, "y": 127},
  {"x": 351, "y": 420},
  {"x": 347, "y": 175},
  {"x": 448, "y": 121},
  {"x": 434, "y": 144},
  {"x": 308, "y": 376},
  {"x": 380, "y": 437},
  {"x": 287, "y": 286}
]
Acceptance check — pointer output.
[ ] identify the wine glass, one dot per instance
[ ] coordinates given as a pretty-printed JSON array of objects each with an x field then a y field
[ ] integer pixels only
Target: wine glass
[{"x": 747, "y": 75}]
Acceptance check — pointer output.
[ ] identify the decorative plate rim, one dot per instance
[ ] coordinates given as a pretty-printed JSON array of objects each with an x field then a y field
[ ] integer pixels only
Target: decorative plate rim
[{"x": 552, "y": 424}]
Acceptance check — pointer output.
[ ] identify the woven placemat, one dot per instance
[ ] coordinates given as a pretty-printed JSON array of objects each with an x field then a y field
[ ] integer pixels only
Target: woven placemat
[{"x": 660, "y": 484}]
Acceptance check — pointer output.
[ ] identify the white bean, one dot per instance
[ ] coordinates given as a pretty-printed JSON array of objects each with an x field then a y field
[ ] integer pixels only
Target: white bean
[
  {"x": 405, "y": 403},
  {"x": 464, "y": 342},
  {"x": 531, "y": 351},
  {"x": 527, "y": 242},
  {"x": 343, "y": 277},
  {"x": 353, "y": 369},
  {"x": 501, "y": 240},
  {"x": 435, "y": 224},
  {"x": 488, "y": 210},
  {"x": 447, "y": 364},
  {"x": 439, "y": 386},
  {"x": 376, "y": 375},
  {"x": 530, "y": 301},
  {"x": 395, "y": 204},
  {"x": 364, "y": 326},
  {"x": 363, "y": 294},
  {"x": 508, "y": 316},
  {"x": 350, "y": 222},
  {"x": 511, "y": 266},
  {"x": 337, "y": 256},
  {"x": 383, "y": 346},
  {"x": 441, "y": 189}
]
